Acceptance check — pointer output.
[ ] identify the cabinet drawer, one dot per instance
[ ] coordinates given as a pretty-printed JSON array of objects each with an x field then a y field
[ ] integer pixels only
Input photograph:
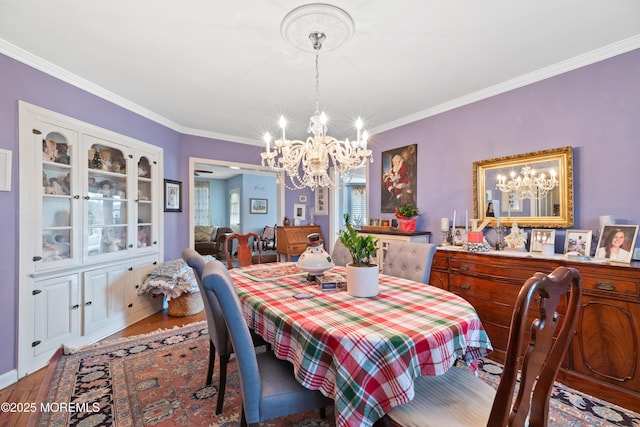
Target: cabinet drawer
[
  {"x": 440, "y": 262},
  {"x": 610, "y": 285},
  {"x": 463, "y": 285},
  {"x": 297, "y": 248},
  {"x": 499, "y": 269}
]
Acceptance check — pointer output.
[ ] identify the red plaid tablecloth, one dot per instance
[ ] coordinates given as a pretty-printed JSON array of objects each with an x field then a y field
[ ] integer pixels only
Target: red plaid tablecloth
[{"x": 362, "y": 352}]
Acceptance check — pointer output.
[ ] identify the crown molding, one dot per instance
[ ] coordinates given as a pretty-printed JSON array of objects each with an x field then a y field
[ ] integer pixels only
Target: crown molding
[
  {"x": 570, "y": 64},
  {"x": 588, "y": 58}
]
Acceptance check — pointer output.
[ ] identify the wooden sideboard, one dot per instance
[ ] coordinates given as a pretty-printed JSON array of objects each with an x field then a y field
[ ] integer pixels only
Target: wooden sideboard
[
  {"x": 603, "y": 357},
  {"x": 292, "y": 241},
  {"x": 386, "y": 237}
]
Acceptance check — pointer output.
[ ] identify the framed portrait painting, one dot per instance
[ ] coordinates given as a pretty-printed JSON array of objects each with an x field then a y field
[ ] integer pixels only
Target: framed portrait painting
[
  {"x": 578, "y": 241},
  {"x": 616, "y": 242},
  {"x": 399, "y": 178},
  {"x": 172, "y": 196}
]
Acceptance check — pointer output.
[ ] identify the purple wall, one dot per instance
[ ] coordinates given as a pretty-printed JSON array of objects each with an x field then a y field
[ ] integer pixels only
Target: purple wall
[
  {"x": 595, "y": 109},
  {"x": 21, "y": 82}
]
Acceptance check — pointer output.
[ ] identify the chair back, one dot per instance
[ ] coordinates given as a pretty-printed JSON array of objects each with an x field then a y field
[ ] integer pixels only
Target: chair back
[
  {"x": 268, "y": 237},
  {"x": 244, "y": 249},
  {"x": 215, "y": 320},
  {"x": 218, "y": 284},
  {"x": 340, "y": 254},
  {"x": 550, "y": 334},
  {"x": 409, "y": 260}
]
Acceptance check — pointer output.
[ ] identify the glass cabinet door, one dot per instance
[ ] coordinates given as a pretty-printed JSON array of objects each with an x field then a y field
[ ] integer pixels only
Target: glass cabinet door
[
  {"x": 58, "y": 201},
  {"x": 107, "y": 200},
  {"x": 146, "y": 207}
]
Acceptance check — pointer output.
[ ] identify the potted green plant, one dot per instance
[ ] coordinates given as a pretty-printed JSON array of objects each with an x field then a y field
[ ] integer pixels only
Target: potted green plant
[
  {"x": 407, "y": 215},
  {"x": 362, "y": 274}
]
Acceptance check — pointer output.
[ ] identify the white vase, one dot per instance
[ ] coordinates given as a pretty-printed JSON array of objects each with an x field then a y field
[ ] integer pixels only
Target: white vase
[{"x": 362, "y": 281}]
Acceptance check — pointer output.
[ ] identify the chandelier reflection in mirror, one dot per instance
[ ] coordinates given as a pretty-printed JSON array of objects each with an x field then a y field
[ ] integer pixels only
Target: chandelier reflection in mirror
[
  {"x": 308, "y": 163},
  {"x": 528, "y": 185}
]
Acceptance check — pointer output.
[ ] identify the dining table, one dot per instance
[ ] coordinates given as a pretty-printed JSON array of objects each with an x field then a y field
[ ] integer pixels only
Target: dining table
[{"x": 364, "y": 353}]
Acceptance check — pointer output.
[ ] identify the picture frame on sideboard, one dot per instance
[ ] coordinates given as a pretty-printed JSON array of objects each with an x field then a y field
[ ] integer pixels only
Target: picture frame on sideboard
[
  {"x": 578, "y": 241},
  {"x": 617, "y": 242}
]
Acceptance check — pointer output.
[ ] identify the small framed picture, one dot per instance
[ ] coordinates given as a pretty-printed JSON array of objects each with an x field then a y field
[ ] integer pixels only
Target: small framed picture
[
  {"x": 374, "y": 221},
  {"x": 321, "y": 195},
  {"x": 302, "y": 198},
  {"x": 459, "y": 236},
  {"x": 541, "y": 237},
  {"x": 616, "y": 242},
  {"x": 299, "y": 213},
  {"x": 172, "y": 196},
  {"x": 578, "y": 241},
  {"x": 258, "y": 206}
]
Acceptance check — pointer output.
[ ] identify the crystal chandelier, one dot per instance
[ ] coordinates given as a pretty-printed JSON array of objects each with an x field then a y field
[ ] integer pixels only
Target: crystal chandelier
[
  {"x": 308, "y": 163},
  {"x": 528, "y": 185}
]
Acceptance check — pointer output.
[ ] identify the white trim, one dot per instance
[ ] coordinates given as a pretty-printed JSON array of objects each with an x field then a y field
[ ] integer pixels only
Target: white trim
[
  {"x": 5, "y": 170},
  {"x": 192, "y": 166},
  {"x": 570, "y": 64},
  {"x": 588, "y": 58},
  {"x": 8, "y": 378}
]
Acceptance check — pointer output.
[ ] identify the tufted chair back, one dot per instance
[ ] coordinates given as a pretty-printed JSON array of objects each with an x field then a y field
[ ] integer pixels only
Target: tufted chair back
[
  {"x": 340, "y": 254},
  {"x": 409, "y": 260}
]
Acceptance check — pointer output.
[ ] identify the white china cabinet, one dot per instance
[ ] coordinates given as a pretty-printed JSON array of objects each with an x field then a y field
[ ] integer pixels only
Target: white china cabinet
[{"x": 90, "y": 212}]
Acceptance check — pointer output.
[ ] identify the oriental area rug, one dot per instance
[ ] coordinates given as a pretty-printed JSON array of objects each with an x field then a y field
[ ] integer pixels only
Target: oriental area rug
[{"x": 158, "y": 379}]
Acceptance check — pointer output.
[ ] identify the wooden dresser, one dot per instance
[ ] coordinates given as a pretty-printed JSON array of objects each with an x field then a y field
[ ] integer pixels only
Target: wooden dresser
[
  {"x": 292, "y": 241},
  {"x": 603, "y": 357}
]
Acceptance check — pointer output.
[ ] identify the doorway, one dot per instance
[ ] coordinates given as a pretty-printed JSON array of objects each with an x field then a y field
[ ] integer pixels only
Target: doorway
[{"x": 218, "y": 169}]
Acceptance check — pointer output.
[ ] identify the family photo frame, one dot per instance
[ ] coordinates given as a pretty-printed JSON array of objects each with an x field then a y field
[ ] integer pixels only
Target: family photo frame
[
  {"x": 459, "y": 236},
  {"x": 172, "y": 196},
  {"x": 616, "y": 242},
  {"x": 540, "y": 237},
  {"x": 578, "y": 241}
]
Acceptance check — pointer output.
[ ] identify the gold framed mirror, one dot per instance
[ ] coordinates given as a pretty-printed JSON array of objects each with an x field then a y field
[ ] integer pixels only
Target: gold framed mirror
[{"x": 532, "y": 189}]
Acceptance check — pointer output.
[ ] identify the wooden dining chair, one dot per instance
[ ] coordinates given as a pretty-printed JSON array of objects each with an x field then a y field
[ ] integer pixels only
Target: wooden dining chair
[
  {"x": 409, "y": 260},
  {"x": 243, "y": 251},
  {"x": 267, "y": 384},
  {"x": 459, "y": 398},
  {"x": 217, "y": 328}
]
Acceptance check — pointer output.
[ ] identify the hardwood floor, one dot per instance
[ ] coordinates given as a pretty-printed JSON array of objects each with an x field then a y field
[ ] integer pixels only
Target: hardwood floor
[{"x": 26, "y": 389}]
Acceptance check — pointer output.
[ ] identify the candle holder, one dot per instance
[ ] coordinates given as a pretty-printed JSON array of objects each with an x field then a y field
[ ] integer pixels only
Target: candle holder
[
  {"x": 445, "y": 238},
  {"x": 500, "y": 230}
]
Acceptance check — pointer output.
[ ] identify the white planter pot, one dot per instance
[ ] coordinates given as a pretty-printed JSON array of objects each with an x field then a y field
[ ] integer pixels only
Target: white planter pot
[{"x": 362, "y": 281}]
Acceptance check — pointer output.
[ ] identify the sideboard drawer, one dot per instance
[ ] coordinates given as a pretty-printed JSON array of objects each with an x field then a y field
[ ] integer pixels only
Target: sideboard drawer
[
  {"x": 496, "y": 269},
  {"x": 610, "y": 285}
]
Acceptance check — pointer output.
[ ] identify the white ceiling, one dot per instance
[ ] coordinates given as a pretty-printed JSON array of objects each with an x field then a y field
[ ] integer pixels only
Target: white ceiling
[{"x": 222, "y": 69}]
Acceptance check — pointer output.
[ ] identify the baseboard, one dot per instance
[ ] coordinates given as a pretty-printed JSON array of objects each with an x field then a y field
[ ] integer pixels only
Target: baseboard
[{"x": 8, "y": 378}]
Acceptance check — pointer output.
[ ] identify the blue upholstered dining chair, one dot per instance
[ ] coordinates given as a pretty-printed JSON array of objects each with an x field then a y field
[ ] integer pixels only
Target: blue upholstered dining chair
[
  {"x": 409, "y": 260},
  {"x": 269, "y": 388},
  {"x": 218, "y": 335},
  {"x": 340, "y": 254},
  {"x": 460, "y": 399}
]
